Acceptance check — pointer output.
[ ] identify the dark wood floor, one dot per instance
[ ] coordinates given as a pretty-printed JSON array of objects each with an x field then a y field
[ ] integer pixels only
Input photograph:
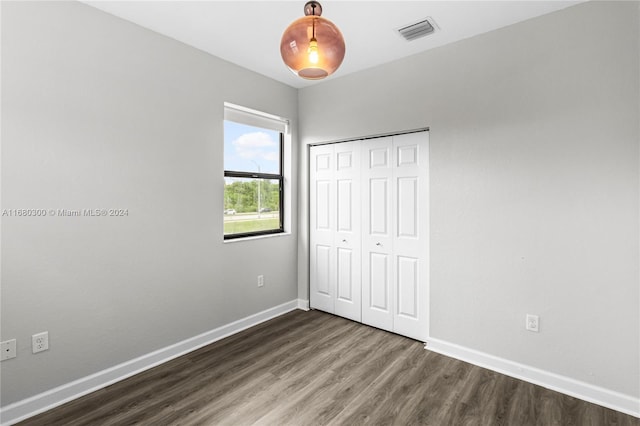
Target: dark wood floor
[{"x": 312, "y": 368}]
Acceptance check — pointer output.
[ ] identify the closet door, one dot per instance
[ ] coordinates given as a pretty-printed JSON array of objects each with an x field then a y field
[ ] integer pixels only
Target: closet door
[
  {"x": 411, "y": 236},
  {"x": 377, "y": 233},
  {"x": 322, "y": 227},
  {"x": 335, "y": 229},
  {"x": 369, "y": 242},
  {"x": 347, "y": 236}
]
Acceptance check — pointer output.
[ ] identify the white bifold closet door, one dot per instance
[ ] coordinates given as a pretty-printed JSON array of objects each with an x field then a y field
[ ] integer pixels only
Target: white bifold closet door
[
  {"x": 335, "y": 221},
  {"x": 369, "y": 232},
  {"x": 395, "y": 243}
]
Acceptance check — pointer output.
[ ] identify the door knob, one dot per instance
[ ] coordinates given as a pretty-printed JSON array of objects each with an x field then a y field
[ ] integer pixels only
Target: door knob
[
  {"x": 344, "y": 241},
  {"x": 379, "y": 244}
]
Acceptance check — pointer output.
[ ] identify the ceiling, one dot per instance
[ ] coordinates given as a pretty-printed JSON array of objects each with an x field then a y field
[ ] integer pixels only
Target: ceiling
[{"x": 248, "y": 33}]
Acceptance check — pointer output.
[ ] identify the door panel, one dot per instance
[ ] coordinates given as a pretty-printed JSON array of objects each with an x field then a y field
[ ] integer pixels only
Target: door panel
[
  {"x": 322, "y": 226},
  {"x": 407, "y": 153},
  {"x": 378, "y": 206},
  {"x": 379, "y": 156},
  {"x": 348, "y": 235},
  {"x": 345, "y": 275},
  {"x": 323, "y": 269},
  {"x": 379, "y": 283},
  {"x": 377, "y": 241},
  {"x": 345, "y": 205},
  {"x": 323, "y": 203},
  {"x": 407, "y": 207},
  {"x": 411, "y": 239},
  {"x": 345, "y": 159},
  {"x": 407, "y": 286},
  {"x": 323, "y": 160}
]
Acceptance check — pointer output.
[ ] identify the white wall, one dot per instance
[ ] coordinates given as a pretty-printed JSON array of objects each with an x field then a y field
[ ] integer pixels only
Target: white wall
[
  {"x": 100, "y": 113},
  {"x": 534, "y": 184}
]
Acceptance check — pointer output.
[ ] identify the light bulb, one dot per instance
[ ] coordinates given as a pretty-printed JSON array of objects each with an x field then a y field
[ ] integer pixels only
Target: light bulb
[{"x": 313, "y": 51}]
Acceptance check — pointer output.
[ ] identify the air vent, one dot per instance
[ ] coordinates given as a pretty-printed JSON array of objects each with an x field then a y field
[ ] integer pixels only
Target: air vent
[{"x": 417, "y": 30}]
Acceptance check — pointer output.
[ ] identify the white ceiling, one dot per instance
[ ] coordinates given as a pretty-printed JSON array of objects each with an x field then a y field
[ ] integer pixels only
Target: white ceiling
[{"x": 248, "y": 33}]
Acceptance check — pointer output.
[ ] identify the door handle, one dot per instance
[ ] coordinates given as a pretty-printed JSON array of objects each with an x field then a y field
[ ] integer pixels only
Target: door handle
[
  {"x": 344, "y": 241},
  {"x": 379, "y": 244}
]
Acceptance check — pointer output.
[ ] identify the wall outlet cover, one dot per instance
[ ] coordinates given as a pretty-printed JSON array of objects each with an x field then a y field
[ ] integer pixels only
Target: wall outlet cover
[
  {"x": 40, "y": 342},
  {"x": 8, "y": 349},
  {"x": 533, "y": 323}
]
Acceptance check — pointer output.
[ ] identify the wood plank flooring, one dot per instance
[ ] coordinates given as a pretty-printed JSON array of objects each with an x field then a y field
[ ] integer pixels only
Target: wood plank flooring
[{"x": 312, "y": 368}]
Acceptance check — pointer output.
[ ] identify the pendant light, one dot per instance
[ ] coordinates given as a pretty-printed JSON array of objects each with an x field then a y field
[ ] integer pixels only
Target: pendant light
[{"x": 312, "y": 46}]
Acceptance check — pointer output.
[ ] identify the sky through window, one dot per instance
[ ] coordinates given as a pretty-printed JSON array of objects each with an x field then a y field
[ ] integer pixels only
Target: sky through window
[{"x": 247, "y": 147}]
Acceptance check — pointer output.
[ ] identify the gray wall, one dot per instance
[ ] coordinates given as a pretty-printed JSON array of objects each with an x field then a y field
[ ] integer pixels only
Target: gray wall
[
  {"x": 100, "y": 113},
  {"x": 534, "y": 189},
  {"x": 534, "y": 184}
]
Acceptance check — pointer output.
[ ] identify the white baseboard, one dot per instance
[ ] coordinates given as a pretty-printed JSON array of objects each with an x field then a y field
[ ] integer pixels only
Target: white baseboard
[
  {"x": 582, "y": 390},
  {"x": 303, "y": 304},
  {"x": 37, "y": 404}
]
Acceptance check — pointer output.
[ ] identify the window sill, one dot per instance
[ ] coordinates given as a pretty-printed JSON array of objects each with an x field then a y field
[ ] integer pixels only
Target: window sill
[{"x": 257, "y": 237}]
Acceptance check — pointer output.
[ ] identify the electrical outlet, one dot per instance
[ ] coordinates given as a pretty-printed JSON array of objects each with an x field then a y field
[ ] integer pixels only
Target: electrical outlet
[
  {"x": 533, "y": 323},
  {"x": 40, "y": 342},
  {"x": 8, "y": 349},
  {"x": 260, "y": 280}
]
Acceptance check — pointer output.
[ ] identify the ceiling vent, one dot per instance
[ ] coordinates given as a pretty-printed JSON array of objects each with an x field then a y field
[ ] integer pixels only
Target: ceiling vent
[{"x": 417, "y": 30}]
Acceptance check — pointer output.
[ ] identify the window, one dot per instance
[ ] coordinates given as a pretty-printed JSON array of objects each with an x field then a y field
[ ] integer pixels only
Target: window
[{"x": 253, "y": 173}]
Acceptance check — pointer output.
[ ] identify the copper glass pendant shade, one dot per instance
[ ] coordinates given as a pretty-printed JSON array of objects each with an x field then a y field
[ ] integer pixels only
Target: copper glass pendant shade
[{"x": 312, "y": 46}]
